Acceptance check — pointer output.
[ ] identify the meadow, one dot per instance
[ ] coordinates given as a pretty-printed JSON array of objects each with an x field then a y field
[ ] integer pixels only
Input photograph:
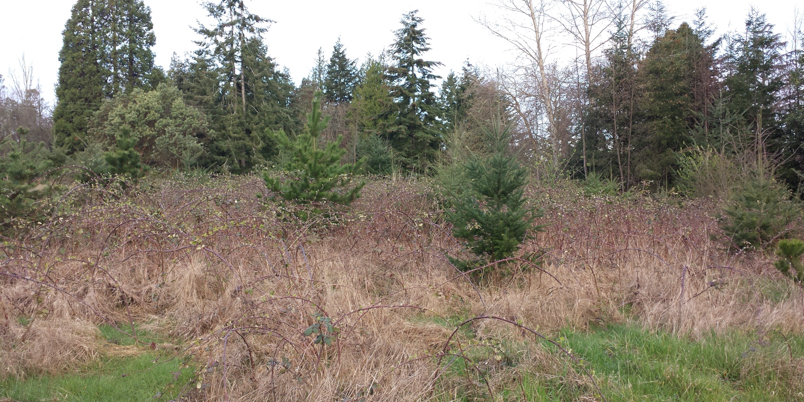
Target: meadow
[{"x": 200, "y": 288}]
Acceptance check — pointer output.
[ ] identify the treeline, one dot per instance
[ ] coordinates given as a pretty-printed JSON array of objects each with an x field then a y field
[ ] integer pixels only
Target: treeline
[
  {"x": 648, "y": 101},
  {"x": 218, "y": 107}
]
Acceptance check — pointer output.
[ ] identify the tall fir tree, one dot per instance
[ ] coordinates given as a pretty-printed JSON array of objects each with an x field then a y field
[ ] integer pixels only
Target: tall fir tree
[
  {"x": 456, "y": 97},
  {"x": 792, "y": 114},
  {"x": 753, "y": 79},
  {"x": 234, "y": 80},
  {"x": 658, "y": 19},
  {"x": 413, "y": 133},
  {"x": 106, "y": 51},
  {"x": 369, "y": 114},
  {"x": 130, "y": 63},
  {"x": 675, "y": 98},
  {"x": 341, "y": 76}
]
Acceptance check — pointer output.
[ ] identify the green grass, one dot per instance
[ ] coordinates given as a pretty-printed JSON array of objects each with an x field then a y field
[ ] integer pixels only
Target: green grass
[
  {"x": 629, "y": 363},
  {"x": 113, "y": 335},
  {"x": 146, "y": 376},
  {"x": 635, "y": 363}
]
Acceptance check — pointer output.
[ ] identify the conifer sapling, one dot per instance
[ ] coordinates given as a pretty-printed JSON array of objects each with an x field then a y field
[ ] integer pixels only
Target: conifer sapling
[
  {"x": 316, "y": 174},
  {"x": 491, "y": 217}
]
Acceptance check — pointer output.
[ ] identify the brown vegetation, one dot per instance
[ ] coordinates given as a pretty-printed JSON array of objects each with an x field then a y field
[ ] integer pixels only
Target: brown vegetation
[{"x": 241, "y": 281}]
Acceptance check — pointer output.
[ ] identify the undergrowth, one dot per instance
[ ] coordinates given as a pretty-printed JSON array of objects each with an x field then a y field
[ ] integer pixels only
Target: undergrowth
[{"x": 261, "y": 305}]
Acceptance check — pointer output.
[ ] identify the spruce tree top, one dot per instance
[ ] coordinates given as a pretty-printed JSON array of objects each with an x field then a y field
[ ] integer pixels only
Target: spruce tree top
[{"x": 341, "y": 76}]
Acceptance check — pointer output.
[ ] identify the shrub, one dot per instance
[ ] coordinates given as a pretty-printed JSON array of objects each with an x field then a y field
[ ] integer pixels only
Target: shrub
[
  {"x": 491, "y": 216},
  {"x": 315, "y": 174},
  {"x": 791, "y": 251},
  {"x": 596, "y": 184},
  {"x": 162, "y": 128},
  {"x": 378, "y": 155},
  {"x": 758, "y": 213},
  {"x": 22, "y": 166},
  {"x": 124, "y": 160}
]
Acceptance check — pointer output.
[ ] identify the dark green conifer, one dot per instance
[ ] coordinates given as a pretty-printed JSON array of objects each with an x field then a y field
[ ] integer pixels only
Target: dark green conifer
[
  {"x": 80, "y": 85},
  {"x": 413, "y": 131},
  {"x": 21, "y": 165},
  {"x": 491, "y": 217},
  {"x": 125, "y": 160},
  {"x": 341, "y": 77},
  {"x": 106, "y": 51}
]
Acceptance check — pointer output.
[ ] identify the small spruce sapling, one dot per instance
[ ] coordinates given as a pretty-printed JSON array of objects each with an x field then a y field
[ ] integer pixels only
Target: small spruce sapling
[
  {"x": 491, "y": 216},
  {"x": 790, "y": 251},
  {"x": 316, "y": 175},
  {"x": 759, "y": 213},
  {"x": 22, "y": 163},
  {"x": 125, "y": 160}
]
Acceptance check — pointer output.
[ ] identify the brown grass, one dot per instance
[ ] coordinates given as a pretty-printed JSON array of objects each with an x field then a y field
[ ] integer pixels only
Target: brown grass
[{"x": 240, "y": 281}]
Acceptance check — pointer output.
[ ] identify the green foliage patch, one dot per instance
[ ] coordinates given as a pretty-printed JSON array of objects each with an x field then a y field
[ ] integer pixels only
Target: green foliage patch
[
  {"x": 145, "y": 375},
  {"x": 630, "y": 363},
  {"x": 758, "y": 214}
]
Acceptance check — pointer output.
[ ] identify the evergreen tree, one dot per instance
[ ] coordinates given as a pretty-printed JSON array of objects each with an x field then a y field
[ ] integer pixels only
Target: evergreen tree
[
  {"x": 130, "y": 60},
  {"x": 21, "y": 164},
  {"x": 317, "y": 174},
  {"x": 106, "y": 51},
  {"x": 413, "y": 132},
  {"x": 319, "y": 72},
  {"x": 449, "y": 101},
  {"x": 237, "y": 84},
  {"x": 341, "y": 76},
  {"x": 658, "y": 19},
  {"x": 675, "y": 98},
  {"x": 753, "y": 80},
  {"x": 491, "y": 217},
  {"x": 792, "y": 116},
  {"x": 124, "y": 160},
  {"x": 372, "y": 101},
  {"x": 613, "y": 116},
  {"x": 369, "y": 115},
  {"x": 81, "y": 81}
]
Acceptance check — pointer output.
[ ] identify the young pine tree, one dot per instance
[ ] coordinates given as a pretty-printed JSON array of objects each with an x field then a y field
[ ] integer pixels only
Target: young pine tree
[
  {"x": 125, "y": 160},
  {"x": 317, "y": 174},
  {"x": 491, "y": 216}
]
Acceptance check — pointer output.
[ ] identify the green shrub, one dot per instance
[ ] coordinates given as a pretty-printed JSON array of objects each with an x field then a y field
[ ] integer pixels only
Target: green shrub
[
  {"x": 315, "y": 174},
  {"x": 791, "y": 251},
  {"x": 491, "y": 216},
  {"x": 124, "y": 160},
  {"x": 707, "y": 172},
  {"x": 596, "y": 184},
  {"x": 378, "y": 155},
  {"x": 23, "y": 166},
  {"x": 758, "y": 213}
]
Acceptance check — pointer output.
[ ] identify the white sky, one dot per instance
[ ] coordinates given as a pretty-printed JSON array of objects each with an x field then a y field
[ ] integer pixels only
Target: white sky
[{"x": 34, "y": 27}]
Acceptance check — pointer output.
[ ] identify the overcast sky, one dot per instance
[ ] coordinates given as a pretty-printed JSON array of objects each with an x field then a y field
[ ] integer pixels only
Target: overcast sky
[{"x": 34, "y": 28}]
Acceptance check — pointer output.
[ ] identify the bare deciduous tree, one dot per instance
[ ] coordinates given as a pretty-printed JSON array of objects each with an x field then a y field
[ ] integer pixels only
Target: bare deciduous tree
[
  {"x": 525, "y": 26},
  {"x": 24, "y": 110}
]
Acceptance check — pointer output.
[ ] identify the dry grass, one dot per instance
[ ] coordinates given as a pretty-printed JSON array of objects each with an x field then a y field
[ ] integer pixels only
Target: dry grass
[{"x": 240, "y": 281}]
